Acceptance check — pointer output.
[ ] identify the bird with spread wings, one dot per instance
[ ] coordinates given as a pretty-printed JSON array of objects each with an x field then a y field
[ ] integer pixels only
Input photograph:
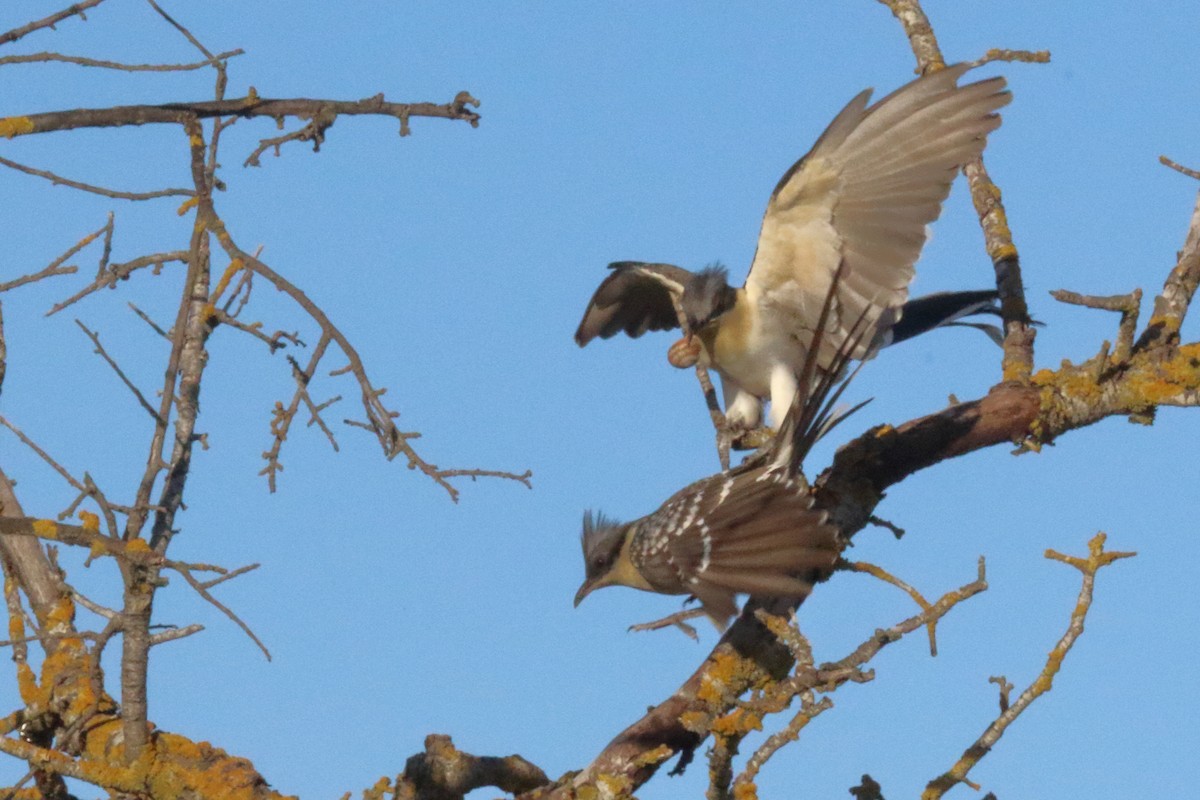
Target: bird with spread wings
[{"x": 858, "y": 202}]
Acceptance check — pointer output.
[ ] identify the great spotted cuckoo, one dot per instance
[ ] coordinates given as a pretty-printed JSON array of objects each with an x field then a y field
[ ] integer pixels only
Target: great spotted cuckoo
[
  {"x": 859, "y": 200},
  {"x": 751, "y": 530}
]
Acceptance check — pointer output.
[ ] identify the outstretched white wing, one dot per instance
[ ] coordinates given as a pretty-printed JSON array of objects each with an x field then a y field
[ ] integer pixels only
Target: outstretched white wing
[{"x": 863, "y": 196}]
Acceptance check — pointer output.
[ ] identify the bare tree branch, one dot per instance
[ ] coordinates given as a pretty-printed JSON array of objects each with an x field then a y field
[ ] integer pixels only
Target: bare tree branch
[
  {"x": 58, "y": 180},
  {"x": 202, "y": 590},
  {"x": 1097, "y": 559},
  {"x": 37, "y": 58},
  {"x": 108, "y": 277},
  {"x": 998, "y": 239},
  {"x": 100, "y": 351},
  {"x": 246, "y": 107},
  {"x": 56, "y": 267},
  {"x": 50, "y": 21}
]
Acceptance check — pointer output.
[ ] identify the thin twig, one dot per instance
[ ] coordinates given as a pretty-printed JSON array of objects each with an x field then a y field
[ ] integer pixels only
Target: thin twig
[
  {"x": 118, "y": 272},
  {"x": 1191, "y": 173},
  {"x": 146, "y": 318},
  {"x": 186, "y": 33},
  {"x": 172, "y": 634},
  {"x": 1024, "y": 56},
  {"x": 56, "y": 267},
  {"x": 93, "y": 606},
  {"x": 117, "y": 65},
  {"x": 116, "y": 194},
  {"x": 32, "y": 445},
  {"x": 100, "y": 351},
  {"x": 1097, "y": 559},
  {"x": 380, "y": 419},
  {"x": 276, "y": 341},
  {"x": 887, "y": 577},
  {"x": 1127, "y": 305},
  {"x": 47, "y": 272},
  {"x": 1171, "y": 306},
  {"x": 50, "y": 21},
  {"x": 3, "y": 350},
  {"x": 203, "y": 592}
]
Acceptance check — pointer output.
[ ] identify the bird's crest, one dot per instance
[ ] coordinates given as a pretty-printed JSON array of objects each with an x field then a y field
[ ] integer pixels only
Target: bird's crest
[
  {"x": 707, "y": 296},
  {"x": 601, "y": 539}
]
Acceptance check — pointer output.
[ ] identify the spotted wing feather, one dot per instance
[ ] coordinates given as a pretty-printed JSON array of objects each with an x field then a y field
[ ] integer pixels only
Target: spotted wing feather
[{"x": 753, "y": 532}]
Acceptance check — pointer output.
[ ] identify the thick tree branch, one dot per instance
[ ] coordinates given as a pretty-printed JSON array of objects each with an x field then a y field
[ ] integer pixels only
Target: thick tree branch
[
  {"x": 443, "y": 772},
  {"x": 245, "y": 107},
  {"x": 862, "y": 470}
]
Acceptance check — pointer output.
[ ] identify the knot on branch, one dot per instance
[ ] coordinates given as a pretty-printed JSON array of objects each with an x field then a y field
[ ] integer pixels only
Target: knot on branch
[{"x": 443, "y": 772}]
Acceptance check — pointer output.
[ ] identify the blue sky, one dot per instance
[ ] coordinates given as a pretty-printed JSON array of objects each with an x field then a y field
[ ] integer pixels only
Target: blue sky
[{"x": 459, "y": 261}]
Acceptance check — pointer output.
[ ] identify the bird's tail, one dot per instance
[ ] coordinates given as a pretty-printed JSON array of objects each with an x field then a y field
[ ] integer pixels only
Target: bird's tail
[
  {"x": 814, "y": 410},
  {"x": 943, "y": 309}
]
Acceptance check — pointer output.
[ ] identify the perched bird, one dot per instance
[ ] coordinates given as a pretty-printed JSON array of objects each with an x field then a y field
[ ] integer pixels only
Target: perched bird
[
  {"x": 860, "y": 199},
  {"x": 750, "y": 530}
]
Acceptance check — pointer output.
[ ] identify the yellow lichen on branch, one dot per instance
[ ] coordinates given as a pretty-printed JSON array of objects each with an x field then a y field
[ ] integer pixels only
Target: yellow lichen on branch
[
  {"x": 235, "y": 266},
  {"x": 15, "y": 126}
]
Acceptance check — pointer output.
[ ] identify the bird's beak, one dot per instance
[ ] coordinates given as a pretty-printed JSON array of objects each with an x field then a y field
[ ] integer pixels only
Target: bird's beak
[{"x": 584, "y": 591}]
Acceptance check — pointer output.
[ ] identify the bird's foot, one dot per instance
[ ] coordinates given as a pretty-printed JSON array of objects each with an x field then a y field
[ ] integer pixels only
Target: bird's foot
[
  {"x": 678, "y": 620},
  {"x": 752, "y": 439}
]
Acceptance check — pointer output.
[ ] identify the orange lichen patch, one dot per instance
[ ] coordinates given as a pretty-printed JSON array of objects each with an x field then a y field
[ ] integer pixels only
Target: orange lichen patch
[
  {"x": 187, "y": 205},
  {"x": 15, "y": 126},
  {"x": 45, "y": 528},
  {"x": 97, "y": 548},
  {"x": 738, "y": 722},
  {"x": 62, "y": 612},
  {"x": 1007, "y": 250},
  {"x": 27, "y": 685},
  {"x": 90, "y": 521},
  {"x": 723, "y": 672},
  {"x": 16, "y": 623},
  {"x": 654, "y": 757},
  {"x": 382, "y": 788},
  {"x": 694, "y": 721},
  {"x": 170, "y": 766},
  {"x": 179, "y": 767},
  {"x": 745, "y": 790},
  {"x": 614, "y": 786},
  {"x": 137, "y": 546},
  {"x": 1079, "y": 384},
  {"x": 1043, "y": 377},
  {"x": 1014, "y": 371}
]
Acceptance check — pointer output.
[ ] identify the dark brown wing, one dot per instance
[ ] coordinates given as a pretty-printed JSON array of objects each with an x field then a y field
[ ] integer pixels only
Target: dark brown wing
[
  {"x": 752, "y": 532},
  {"x": 635, "y": 298}
]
